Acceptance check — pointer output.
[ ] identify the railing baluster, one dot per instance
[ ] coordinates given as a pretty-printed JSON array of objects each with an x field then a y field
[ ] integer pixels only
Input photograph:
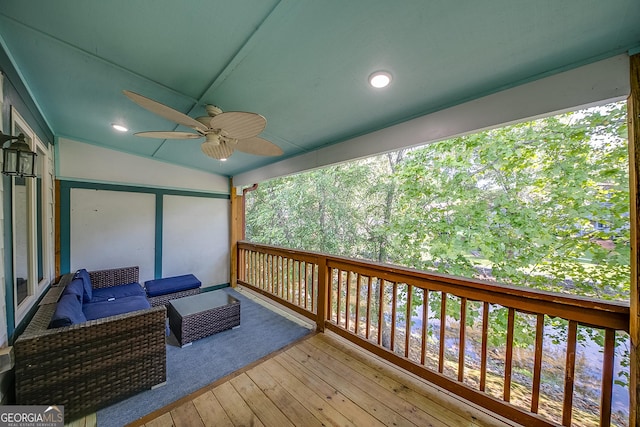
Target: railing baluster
[
  {"x": 425, "y": 323},
  {"x": 288, "y": 270},
  {"x": 380, "y": 308},
  {"x": 330, "y": 296},
  {"x": 263, "y": 276},
  {"x": 258, "y": 275},
  {"x": 339, "y": 298},
  {"x": 274, "y": 280},
  {"x": 267, "y": 273},
  {"x": 243, "y": 261},
  {"x": 485, "y": 339},
  {"x": 308, "y": 285},
  {"x": 443, "y": 323},
  {"x": 289, "y": 290},
  {"x": 570, "y": 366},
  {"x": 278, "y": 267},
  {"x": 407, "y": 330},
  {"x": 509, "y": 356},
  {"x": 283, "y": 278},
  {"x": 537, "y": 364},
  {"x": 241, "y": 267},
  {"x": 394, "y": 307},
  {"x": 304, "y": 281},
  {"x": 292, "y": 275},
  {"x": 347, "y": 310},
  {"x": 256, "y": 256},
  {"x": 607, "y": 377},
  {"x": 357, "y": 325},
  {"x": 461, "y": 345},
  {"x": 299, "y": 281},
  {"x": 368, "y": 307},
  {"x": 311, "y": 287},
  {"x": 252, "y": 272}
]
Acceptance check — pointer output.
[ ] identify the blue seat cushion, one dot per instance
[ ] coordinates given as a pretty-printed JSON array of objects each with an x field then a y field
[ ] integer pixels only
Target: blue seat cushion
[
  {"x": 169, "y": 285},
  {"x": 88, "y": 287},
  {"x": 115, "y": 292},
  {"x": 68, "y": 312},
  {"x": 100, "y": 309},
  {"x": 76, "y": 287}
]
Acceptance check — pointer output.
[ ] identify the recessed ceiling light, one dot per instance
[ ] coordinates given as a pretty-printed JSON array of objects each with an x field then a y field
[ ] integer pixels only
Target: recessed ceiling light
[
  {"x": 119, "y": 128},
  {"x": 380, "y": 79}
]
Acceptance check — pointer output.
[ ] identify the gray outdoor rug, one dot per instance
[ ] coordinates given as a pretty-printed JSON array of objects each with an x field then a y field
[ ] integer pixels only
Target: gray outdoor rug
[{"x": 262, "y": 331}]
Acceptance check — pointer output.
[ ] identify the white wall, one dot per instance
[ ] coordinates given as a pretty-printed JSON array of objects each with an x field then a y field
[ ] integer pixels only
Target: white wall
[
  {"x": 88, "y": 162},
  {"x": 112, "y": 227},
  {"x": 196, "y": 239}
]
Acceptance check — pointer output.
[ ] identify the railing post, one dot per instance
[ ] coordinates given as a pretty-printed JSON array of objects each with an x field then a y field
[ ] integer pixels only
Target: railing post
[
  {"x": 633, "y": 114},
  {"x": 323, "y": 293}
]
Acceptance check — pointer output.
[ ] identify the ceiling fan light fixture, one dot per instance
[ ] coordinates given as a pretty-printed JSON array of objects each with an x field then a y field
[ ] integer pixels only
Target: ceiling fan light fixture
[
  {"x": 380, "y": 79},
  {"x": 119, "y": 127},
  {"x": 219, "y": 150}
]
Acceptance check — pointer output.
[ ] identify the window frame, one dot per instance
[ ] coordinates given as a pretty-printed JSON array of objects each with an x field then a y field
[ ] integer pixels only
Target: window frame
[{"x": 35, "y": 250}]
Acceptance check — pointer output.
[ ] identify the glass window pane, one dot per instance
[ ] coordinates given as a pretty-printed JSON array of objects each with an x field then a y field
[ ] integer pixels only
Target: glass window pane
[{"x": 21, "y": 235}]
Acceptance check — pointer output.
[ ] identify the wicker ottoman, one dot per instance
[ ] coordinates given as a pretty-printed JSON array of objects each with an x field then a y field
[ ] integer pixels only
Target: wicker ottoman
[
  {"x": 198, "y": 316},
  {"x": 161, "y": 291}
]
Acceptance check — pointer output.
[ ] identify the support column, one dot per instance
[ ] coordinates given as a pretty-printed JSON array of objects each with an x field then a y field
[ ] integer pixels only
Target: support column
[
  {"x": 633, "y": 114},
  {"x": 236, "y": 231}
]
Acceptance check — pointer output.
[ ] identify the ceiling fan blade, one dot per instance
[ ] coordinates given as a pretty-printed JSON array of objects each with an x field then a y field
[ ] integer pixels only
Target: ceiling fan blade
[
  {"x": 169, "y": 135},
  {"x": 220, "y": 151},
  {"x": 239, "y": 124},
  {"x": 164, "y": 111},
  {"x": 258, "y": 146}
]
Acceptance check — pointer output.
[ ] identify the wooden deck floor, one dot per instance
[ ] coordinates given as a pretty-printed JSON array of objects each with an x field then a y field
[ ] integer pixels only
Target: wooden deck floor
[{"x": 322, "y": 380}]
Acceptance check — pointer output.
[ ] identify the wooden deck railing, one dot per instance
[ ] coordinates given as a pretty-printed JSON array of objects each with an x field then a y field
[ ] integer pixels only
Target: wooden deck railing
[{"x": 439, "y": 327}]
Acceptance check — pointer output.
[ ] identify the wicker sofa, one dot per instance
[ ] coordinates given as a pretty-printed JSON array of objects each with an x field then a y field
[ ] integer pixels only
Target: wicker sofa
[{"x": 92, "y": 364}]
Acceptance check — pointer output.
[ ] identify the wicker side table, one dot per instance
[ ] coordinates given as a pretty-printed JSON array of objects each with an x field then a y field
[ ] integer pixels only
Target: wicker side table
[{"x": 194, "y": 317}]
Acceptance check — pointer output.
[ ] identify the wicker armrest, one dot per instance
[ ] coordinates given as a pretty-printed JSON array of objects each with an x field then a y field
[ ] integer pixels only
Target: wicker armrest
[
  {"x": 92, "y": 364},
  {"x": 114, "y": 277}
]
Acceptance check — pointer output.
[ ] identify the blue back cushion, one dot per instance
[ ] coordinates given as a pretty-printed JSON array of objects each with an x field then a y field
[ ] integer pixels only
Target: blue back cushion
[
  {"x": 98, "y": 310},
  {"x": 68, "y": 312},
  {"x": 76, "y": 287},
  {"x": 119, "y": 291},
  {"x": 86, "y": 280}
]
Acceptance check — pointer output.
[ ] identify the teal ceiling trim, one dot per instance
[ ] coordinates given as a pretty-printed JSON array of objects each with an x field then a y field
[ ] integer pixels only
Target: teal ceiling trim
[{"x": 111, "y": 186}]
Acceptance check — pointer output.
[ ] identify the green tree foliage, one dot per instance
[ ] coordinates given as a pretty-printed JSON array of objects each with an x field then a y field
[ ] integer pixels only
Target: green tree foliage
[{"x": 540, "y": 204}]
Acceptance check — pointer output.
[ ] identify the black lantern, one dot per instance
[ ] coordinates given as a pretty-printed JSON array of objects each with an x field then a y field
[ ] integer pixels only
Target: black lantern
[{"x": 19, "y": 160}]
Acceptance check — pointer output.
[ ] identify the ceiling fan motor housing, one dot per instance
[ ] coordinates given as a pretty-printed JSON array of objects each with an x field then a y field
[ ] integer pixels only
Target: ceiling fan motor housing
[{"x": 218, "y": 150}]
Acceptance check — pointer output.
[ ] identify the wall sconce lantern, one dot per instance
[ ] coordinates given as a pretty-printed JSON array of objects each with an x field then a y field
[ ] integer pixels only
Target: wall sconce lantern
[{"x": 18, "y": 158}]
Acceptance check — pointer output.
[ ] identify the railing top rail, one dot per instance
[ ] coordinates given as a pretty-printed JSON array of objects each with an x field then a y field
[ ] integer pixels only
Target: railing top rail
[{"x": 589, "y": 311}]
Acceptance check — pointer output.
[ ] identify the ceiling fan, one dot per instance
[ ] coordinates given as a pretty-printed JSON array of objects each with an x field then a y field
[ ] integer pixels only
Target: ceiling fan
[{"x": 223, "y": 132}]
